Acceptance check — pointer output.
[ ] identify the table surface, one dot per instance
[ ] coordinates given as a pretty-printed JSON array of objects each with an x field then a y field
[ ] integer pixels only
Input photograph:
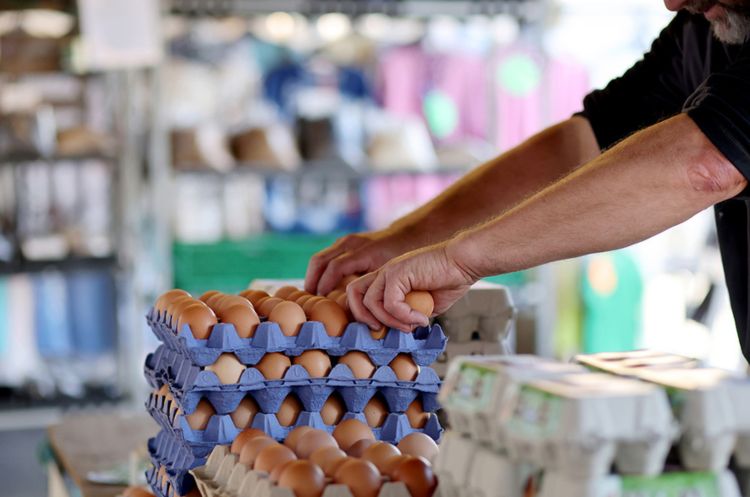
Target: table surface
[{"x": 95, "y": 442}]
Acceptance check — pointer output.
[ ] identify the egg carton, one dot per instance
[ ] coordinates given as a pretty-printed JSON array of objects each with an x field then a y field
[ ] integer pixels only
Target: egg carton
[
  {"x": 580, "y": 424},
  {"x": 176, "y": 484},
  {"x": 174, "y": 452},
  {"x": 222, "y": 430},
  {"x": 710, "y": 404},
  {"x": 224, "y": 476},
  {"x": 486, "y": 312},
  {"x": 424, "y": 345},
  {"x": 189, "y": 384},
  {"x": 713, "y": 484}
]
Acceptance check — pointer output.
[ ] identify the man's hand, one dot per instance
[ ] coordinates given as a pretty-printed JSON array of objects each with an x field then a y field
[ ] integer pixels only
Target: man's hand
[
  {"x": 356, "y": 253},
  {"x": 378, "y": 297}
]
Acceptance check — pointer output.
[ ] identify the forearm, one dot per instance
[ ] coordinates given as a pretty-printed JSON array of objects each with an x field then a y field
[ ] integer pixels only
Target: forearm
[
  {"x": 651, "y": 181},
  {"x": 502, "y": 182}
]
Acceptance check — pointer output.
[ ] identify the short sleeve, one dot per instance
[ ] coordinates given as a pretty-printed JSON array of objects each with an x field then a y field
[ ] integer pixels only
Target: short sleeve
[
  {"x": 650, "y": 91},
  {"x": 721, "y": 109}
]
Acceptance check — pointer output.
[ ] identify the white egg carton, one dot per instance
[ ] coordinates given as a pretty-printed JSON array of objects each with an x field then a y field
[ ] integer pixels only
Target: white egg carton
[
  {"x": 477, "y": 389},
  {"x": 472, "y": 348},
  {"x": 579, "y": 424},
  {"x": 717, "y": 484},
  {"x": 710, "y": 404},
  {"x": 224, "y": 476},
  {"x": 486, "y": 311},
  {"x": 465, "y": 468}
]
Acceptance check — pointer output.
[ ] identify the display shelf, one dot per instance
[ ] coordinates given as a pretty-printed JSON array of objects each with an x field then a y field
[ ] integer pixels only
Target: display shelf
[
  {"x": 22, "y": 158},
  {"x": 67, "y": 264},
  {"x": 20, "y": 413}
]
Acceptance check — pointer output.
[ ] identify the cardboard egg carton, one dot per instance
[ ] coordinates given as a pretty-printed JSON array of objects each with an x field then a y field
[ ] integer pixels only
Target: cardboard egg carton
[
  {"x": 224, "y": 476},
  {"x": 424, "y": 344},
  {"x": 467, "y": 468},
  {"x": 705, "y": 484},
  {"x": 476, "y": 389},
  {"x": 711, "y": 405},
  {"x": 189, "y": 384},
  {"x": 472, "y": 348},
  {"x": 222, "y": 430},
  {"x": 582, "y": 423},
  {"x": 486, "y": 312}
]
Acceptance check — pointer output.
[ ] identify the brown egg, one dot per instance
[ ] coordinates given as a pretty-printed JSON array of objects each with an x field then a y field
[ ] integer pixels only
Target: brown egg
[
  {"x": 200, "y": 318},
  {"x": 362, "y": 478},
  {"x": 331, "y": 315},
  {"x": 344, "y": 304},
  {"x": 359, "y": 363},
  {"x": 228, "y": 368},
  {"x": 228, "y": 301},
  {"x": 136, "y": 492},
  {"x": 265, "y": 306},
  {"x": 295, "y": 295},
  {"x": 289, "y": 316},
  {"x": 199, "y": 419},
  {"x": 304, "y": 298},
  {"x": 350, "y": 431},
  {"x": 253, "y": 295},
  {"x": 163, "y": 391},
  {"x": 359, "y": 447},
  {"x": 293, "y": 437},
  {"x": 273, "y": 477},
  {"x": 421, "y": 301},
  {"x": 336, "y": 294},
  {"x": 333, "y": 410},
  {"x": 316, "y": 362},
  {"x": 243, "y": 416},
  {"x": 380, "y": 452},
  {"x": 416, "y": 415},
  {"x": 404, "y": 367},
  {"x": 310, "y": 303},
  {"x": 334, "y": 464},
  {"x": 326, "y": 454},
  {"x": 213, "y": 300},
  {"x": 206, "y": 295},
  {"x": 252, "y": 448},
  {"x": 348, "y": 279},
  {"x": 244, "y": 437},
  {"x": 177, "y": 305},
  {"x": 303, "y": 478},
  {"x": 390, "y": 464},
  {"x": 289, "y": 411},
  {"x": 167, "y": 297},
  {"x": 312, "y": 441},
  {"x": 417, "y": 475},
  {"x": 419, "y": 445},
  {"x": 285, "y": 291},
  {"x": 376, "y": 410},
  {"x": 244, "y": 319},
  {"x": 272, "y": 456},
  {"x": 379, "y": 334},
  {"x": 273, "y": 365}
]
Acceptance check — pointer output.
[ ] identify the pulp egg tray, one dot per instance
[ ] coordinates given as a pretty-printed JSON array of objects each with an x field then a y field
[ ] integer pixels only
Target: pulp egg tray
[
  {"x": 172, "y": 484},
  {"x": 189, "y": 383},
  {"x": 224, "y": 476},
  {"x": 424, "y": 345},
  {"x": 196, "y": 444}
]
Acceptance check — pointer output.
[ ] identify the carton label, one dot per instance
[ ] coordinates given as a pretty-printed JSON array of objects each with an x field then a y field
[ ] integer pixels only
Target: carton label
[
  {"x": 536, "y": 413},
  {"x": 474, "y": 387},
  {"x": 672, "y": 485}
]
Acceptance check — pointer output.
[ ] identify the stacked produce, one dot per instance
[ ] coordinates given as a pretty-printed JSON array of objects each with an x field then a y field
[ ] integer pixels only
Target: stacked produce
[
  {"x": 277, "y": 363},
  {"x": 562, "y": 430}
]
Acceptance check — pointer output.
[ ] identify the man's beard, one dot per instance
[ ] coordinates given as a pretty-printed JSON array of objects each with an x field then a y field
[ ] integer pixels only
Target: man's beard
[{"x": 733, "y": 27}]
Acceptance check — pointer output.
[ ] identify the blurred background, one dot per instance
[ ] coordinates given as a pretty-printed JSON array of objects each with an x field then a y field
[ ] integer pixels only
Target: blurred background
[{"x": 204, "y": 143}]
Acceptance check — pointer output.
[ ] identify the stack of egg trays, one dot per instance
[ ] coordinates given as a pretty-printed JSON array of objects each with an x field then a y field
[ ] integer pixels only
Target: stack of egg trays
[
  {"x": 189, "y": 384},
  {"x": 424, "y": 345},
  {"x": 177, "y": 458}
]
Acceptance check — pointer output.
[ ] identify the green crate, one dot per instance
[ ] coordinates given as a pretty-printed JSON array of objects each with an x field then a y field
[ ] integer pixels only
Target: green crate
[{"x": 230, "y": 265}]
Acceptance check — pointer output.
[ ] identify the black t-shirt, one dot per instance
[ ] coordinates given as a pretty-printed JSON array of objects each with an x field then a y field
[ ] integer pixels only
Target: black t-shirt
[{"x": 688, "y": 70}]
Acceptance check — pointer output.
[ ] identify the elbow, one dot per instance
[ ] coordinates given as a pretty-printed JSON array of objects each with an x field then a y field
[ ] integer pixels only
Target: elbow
[{"x": 713, "y": 174}]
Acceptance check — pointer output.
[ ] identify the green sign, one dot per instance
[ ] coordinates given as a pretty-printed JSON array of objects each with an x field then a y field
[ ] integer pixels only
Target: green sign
[{"x": 672, "y": 485}]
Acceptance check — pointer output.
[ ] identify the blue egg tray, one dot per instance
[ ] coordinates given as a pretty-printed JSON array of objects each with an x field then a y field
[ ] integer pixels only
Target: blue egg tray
[
  {"x": 424, "y": 345},
  {"x": 184, "y": 445},
  {"x": 180, "y": 482},
  {"x": 171, "y": 450},
  {"x": 189, "y": 384}
]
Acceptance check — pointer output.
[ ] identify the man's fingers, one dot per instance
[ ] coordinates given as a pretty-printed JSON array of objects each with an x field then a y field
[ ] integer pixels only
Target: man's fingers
[
  {"x": 341, "y": 266},
  {"x": 355, "y": 293},
  {"x": 374, "y": 302},
  {"x": 395, "y": 304},
  {"x": 317, "y": 266}
]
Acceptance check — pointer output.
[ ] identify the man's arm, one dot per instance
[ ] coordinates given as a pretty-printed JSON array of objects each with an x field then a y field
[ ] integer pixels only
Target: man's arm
[
  {"x": 482, "y": 194},
  {"x": 651, "y": 181}
]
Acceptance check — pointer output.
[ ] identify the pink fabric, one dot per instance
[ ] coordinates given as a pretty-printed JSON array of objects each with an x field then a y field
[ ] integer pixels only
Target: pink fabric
[
  {"x": 402, "y": 80},
  {"x": 568, "y": 84}
]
